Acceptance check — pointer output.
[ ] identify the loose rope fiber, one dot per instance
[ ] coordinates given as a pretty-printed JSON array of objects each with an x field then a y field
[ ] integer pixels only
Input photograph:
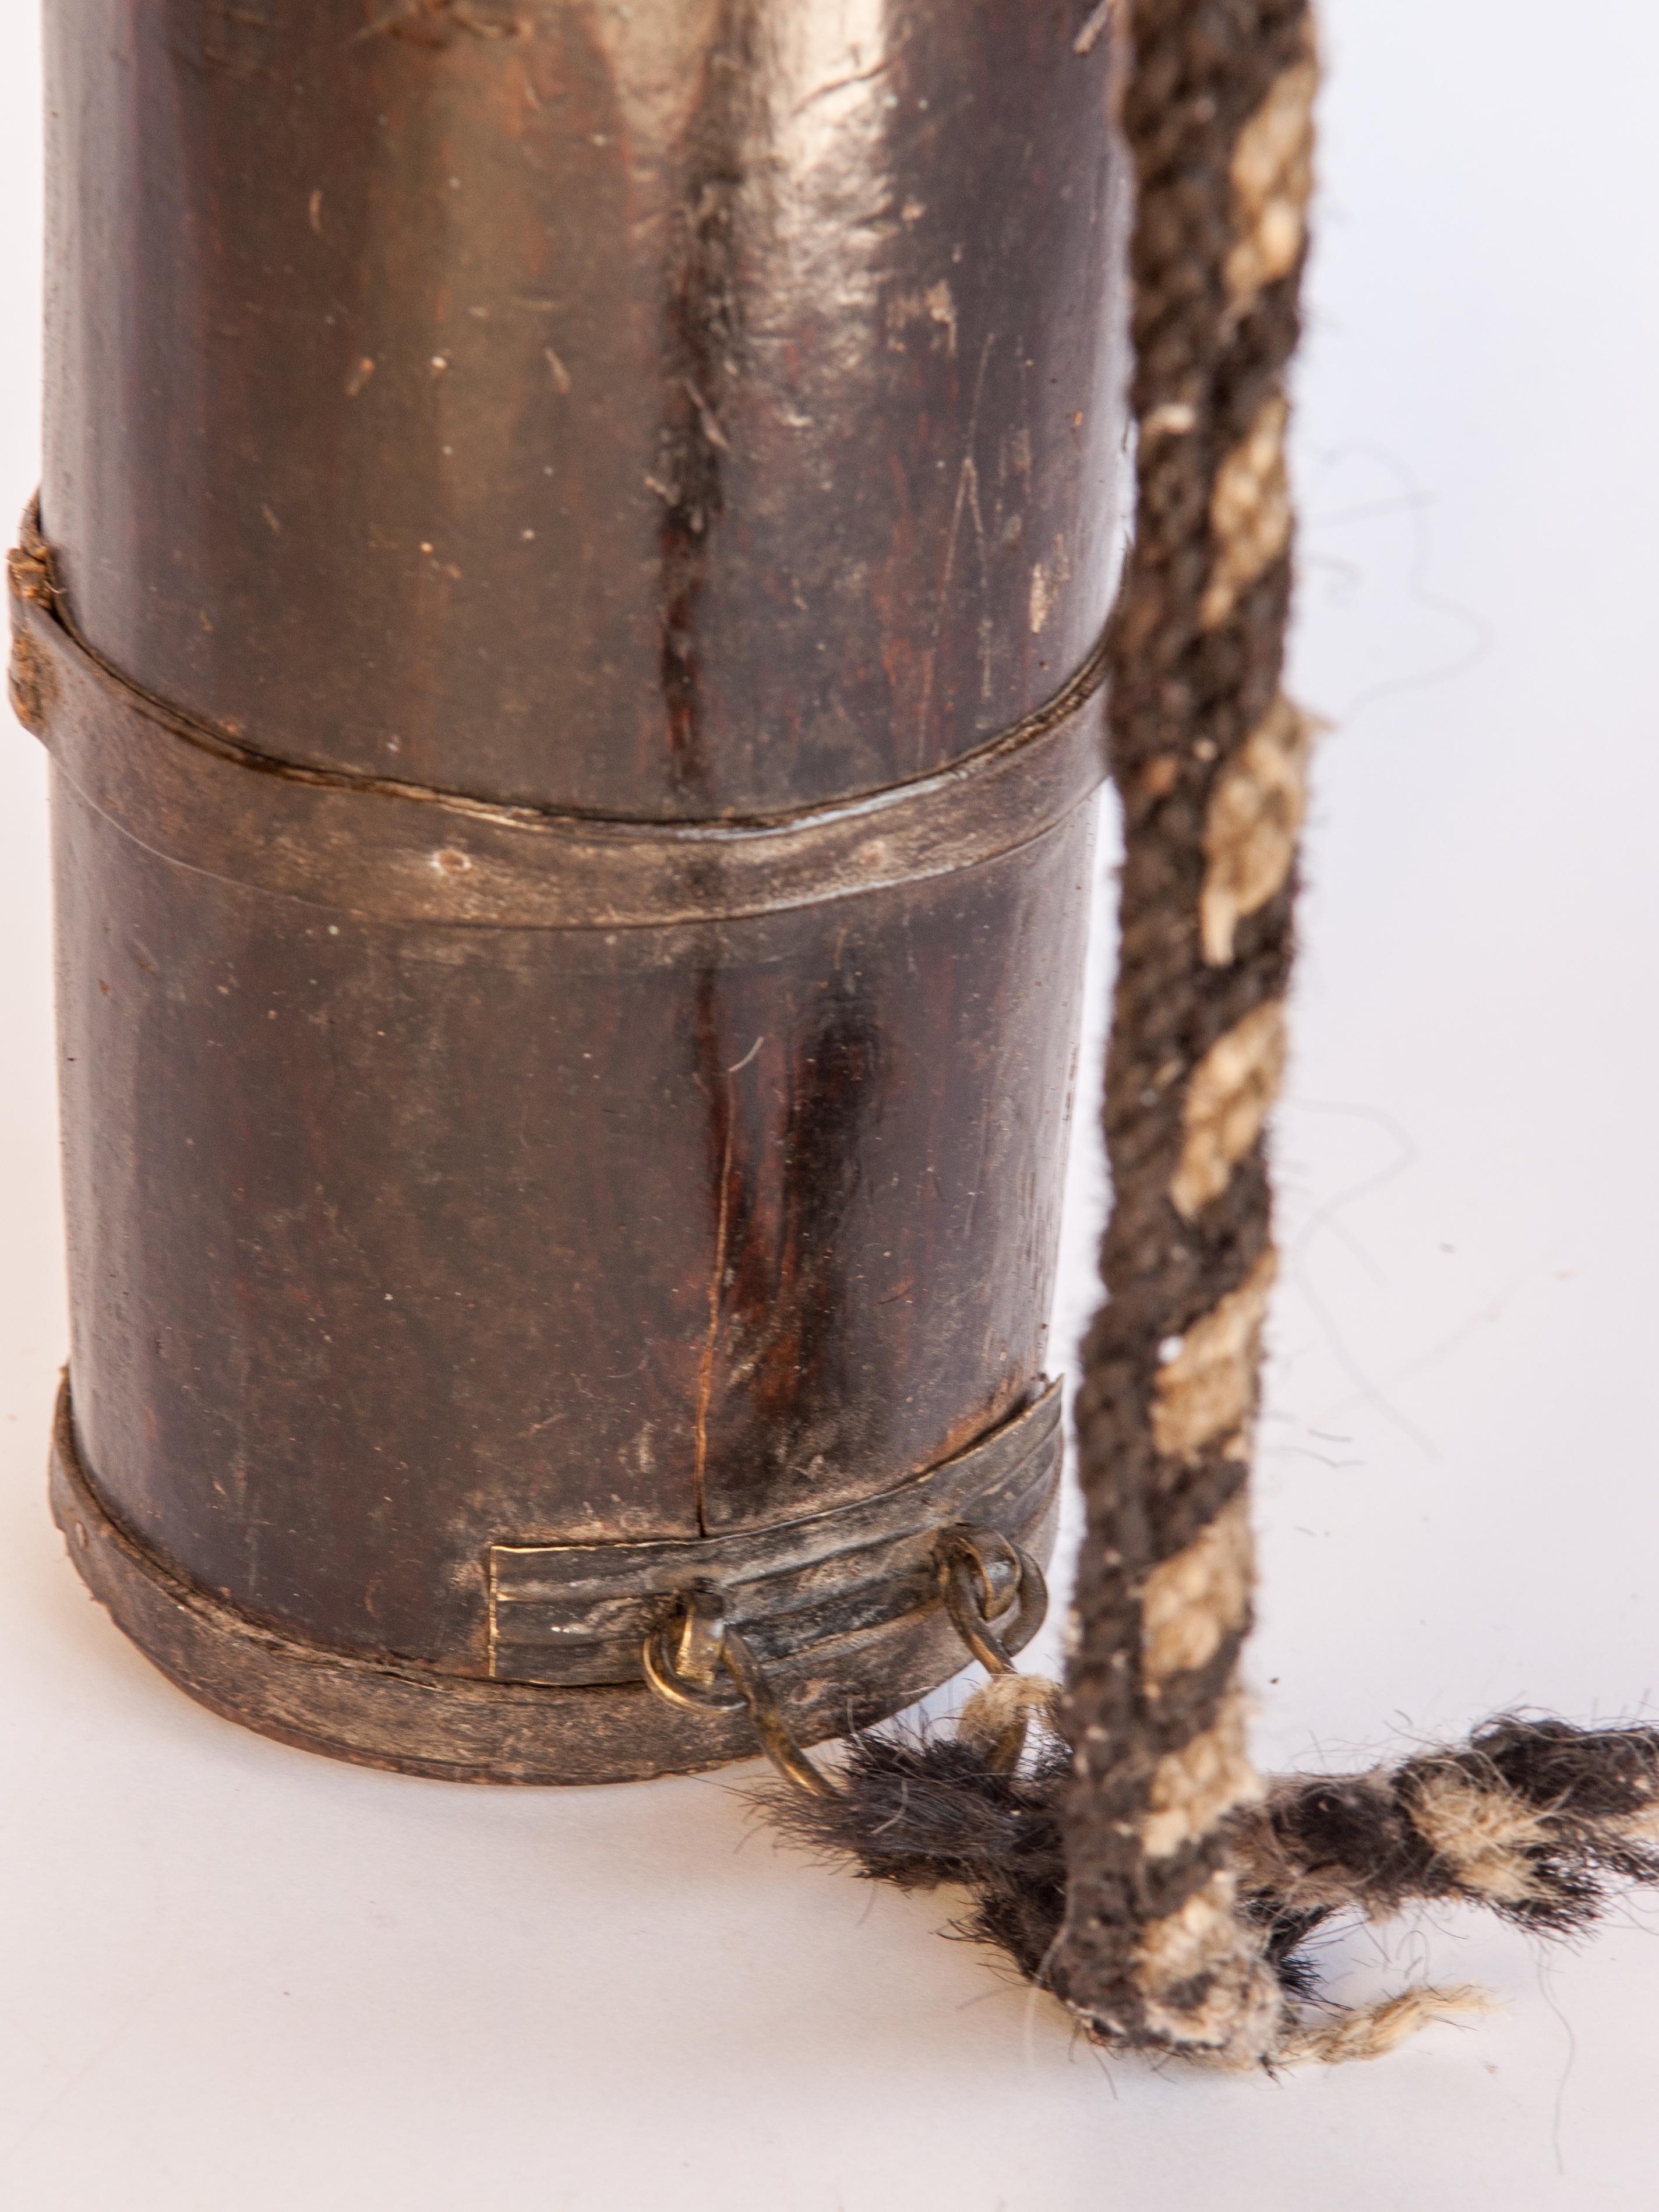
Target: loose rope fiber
[{"x": 1136, "y": 1866}]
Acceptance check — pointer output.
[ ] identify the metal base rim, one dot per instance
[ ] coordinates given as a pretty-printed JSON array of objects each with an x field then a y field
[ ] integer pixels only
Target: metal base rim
[{"x": 408, "y": 1719}]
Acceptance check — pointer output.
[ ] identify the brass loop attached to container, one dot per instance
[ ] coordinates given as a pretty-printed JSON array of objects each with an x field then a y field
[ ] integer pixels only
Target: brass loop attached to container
[
  {"x": 993, "y": 1591},
  {"x": 777, "y": 1738},
  {"x": 682, "y": 1655},
  {"x": 985, "y": 1577}
]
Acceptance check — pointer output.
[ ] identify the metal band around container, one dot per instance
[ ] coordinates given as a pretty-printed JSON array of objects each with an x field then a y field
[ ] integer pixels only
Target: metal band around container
[
  {"x": 879, "y": 1638},
  {"x": 398, "y": 853}
]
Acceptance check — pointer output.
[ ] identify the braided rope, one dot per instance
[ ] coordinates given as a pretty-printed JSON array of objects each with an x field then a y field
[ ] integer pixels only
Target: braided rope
[
  {"x": 1132, "y": 1862},
  {"x": 1208, "y": 756}
]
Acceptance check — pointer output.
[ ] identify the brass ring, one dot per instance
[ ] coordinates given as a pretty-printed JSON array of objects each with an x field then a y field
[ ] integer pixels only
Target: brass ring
[
  {"x": 709, "y": 1645},
  {"x": 777, "y": 1738},
  {"x": 984, "y": 1575},
  {"x": 660, "y": 1674},
  {"x": 683, "y": 1653},
  {"x": 985, "y": 1578}
]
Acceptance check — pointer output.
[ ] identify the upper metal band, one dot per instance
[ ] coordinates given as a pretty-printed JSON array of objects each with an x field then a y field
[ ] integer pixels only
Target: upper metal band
[{"x": 396, "y": 852}]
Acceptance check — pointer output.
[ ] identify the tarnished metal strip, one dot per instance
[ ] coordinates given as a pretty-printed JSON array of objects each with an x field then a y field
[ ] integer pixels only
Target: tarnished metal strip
[
  {"x": 384, "y": 1712},
  {"x": 578, "y": 1613},
  {"x": 396, "y": 852}
]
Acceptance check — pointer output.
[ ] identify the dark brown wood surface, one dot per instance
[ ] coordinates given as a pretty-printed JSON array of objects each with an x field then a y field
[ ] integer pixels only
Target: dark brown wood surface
[
  {"x": 668, "y": 410},
  {"x": 393, "y": 1243},
  {"x": 741, "y": 433}
]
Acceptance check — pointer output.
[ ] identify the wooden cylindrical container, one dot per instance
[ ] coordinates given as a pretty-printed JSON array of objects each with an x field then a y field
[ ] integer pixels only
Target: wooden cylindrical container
[{"x": 564, "y": 606}]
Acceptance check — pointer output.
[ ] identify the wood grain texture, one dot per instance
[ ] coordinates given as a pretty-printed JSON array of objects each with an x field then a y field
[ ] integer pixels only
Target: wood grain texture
[{"x": 688, "y": 430}]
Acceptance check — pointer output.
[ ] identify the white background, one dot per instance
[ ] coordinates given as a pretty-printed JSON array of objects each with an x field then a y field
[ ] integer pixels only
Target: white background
[{"x": 233, "y": 1976}]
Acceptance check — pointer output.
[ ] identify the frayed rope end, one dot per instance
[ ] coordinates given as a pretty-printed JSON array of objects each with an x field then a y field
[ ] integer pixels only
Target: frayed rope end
[{"x": 1537, "y": 1821}]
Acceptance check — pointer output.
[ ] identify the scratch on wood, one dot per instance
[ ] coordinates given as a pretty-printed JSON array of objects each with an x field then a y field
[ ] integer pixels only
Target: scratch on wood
[
  {"x": 1089, "y": 35},
  {"x": 841, "y": 84},
  {"x": 967, "y": 497},
  {"x": 434, "y": 22},
  {"x": 706, "y": 1368}
]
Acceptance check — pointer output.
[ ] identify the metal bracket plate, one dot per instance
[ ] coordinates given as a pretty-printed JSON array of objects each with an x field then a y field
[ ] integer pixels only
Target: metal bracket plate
[{"x": 573, "y": 1613}]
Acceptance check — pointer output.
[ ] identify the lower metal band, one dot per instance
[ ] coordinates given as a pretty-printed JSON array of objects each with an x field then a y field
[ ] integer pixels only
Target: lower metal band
[{"x": 421, "y": 1720}]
